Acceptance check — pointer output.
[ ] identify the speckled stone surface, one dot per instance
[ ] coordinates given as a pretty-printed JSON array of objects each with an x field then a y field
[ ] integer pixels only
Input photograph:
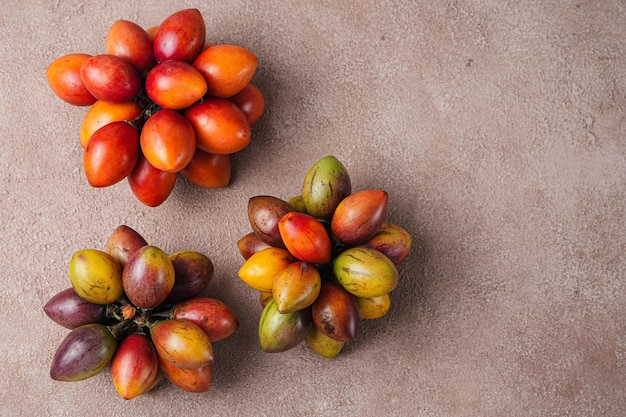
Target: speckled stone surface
[{"x": 498, "y": 129}]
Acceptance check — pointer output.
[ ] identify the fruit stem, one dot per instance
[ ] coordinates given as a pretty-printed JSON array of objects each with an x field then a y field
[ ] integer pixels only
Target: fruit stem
[
  {"x": 122, "y": 329},
  {"x": 149, "y": 108},
  {"x": 165, "y": 311},
  {"x": 114, "y": 311},
  {"x": 142, "y": 317}
]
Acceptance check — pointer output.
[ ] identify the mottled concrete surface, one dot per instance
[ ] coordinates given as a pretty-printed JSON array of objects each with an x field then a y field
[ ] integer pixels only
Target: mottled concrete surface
[{"x": 498, "y": 129}]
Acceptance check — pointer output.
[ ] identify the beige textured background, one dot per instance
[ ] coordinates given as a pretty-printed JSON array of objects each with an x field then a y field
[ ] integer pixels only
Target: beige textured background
[{"x": 498, "y": 129}]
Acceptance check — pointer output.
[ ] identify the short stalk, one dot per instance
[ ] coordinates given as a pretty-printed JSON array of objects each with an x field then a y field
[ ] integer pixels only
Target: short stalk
[
  {"x": 123, "y": 329},
  {"x": 114, "y": 311}
]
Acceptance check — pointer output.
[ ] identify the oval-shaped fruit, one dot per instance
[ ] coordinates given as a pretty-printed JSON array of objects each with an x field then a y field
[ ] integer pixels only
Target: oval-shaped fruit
[
  {"x": 219, "y": 125},
  {"x": 365, "y": 272},
  {"x": 250, "y": 244},
  {"x": 264, "y": 213},
  {"x": 123, "y": 243},
  {"x": 359, "y": 216},
  {"x": 148, "y": 277},
  {"x": 96, "y": 276},
  {"x": 101, "y": 113},
  {"x": 71, "y": 311},
  {"x": 180, "y": 36},
  {"x": 208, "y": 170},
  {"x": 191, "y": 380},
  {"x": 323, "y": 345},
  {"x": 111, "y": 154},
  {"x": 150, "y": 185},
  {"x": 297, "y": 287},
  {"x": 251, "y": 102},
  {"x": 305, "y": 237},
  {"x": 213, "y": 316},
  {"x": 131, "y": 42},
  {"x": 134, "y": 366},
  {"x": 326, "y": 184},
  {"x": 373, "y": 308},
  {"x": 261, "y": 268},
  {"x": 63, "y": 76},
  {"x": 193, "y": 271},
  {"x": 84, "y": 352},
  {"x": 175, "y": 85},
  {"x": 168, "y": 141},
  {"x": 335, "y": 313},
  {"x": 392, "y": 240},
  {"x": 182, "y": 343},
  {"x": 280, "y": 332},
  {"x": 110, "y": 78},
  {"x": 227, "y": 69}
]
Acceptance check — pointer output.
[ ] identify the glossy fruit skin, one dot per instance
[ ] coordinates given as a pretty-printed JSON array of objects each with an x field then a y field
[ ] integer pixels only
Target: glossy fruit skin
[
  {"x": 142, "y": 71},
  {"x": 175, "y": 85},
  {"x": 365, "y": 272},
  {"x": 325, "y": 185},
  {"x": 342, "y": 274},
  {"x": 168, "y": 141},
  {"x": 133, "y": 337},
  {"x": 84, "y": 352},
  {"x": 208, "y": 170},
  {"x": 214, "y": 317},
  {"x": 148, "y": 277},
  {"x": 264, "y": 213},
  {"x": 182, "y": 343},
  {"x": 250, "y": 244},
  {"x": 296, "y": 287},
  {"x": 131, "y": 42},
  {"x": 323, "y": 345},
  {"x": 63, "y": 76},
  {"x": 69, "y": 310},
  {"x": 227, "y": 69},
  {"x": 150, "y": 185},
  {"x": 251, "y": 102},
  {"x": 261, "y": 268},
  {"x": 220, "y": 126},
  {"x": 123, "y": 243},
  {"x": 373, "y": 308},
  {"x": 281, "y": 332},
  {"x": 110, "y": 78},
  {"x": 193, "y": 271},
  {"x": 111, "y": 154},
  {"x": 196, "y": 380},
  {"x": 393, "y": 241},
  {"x": 134, "y": 366},
  {"x": 335, "y": 313},
  {"x": 96, "y": 276},
  {"x": 180, "y": 36},
  {"x": 359, "y": 216},
  {"x": 102, "y": 113},
  {"x": 305, "y": 238}
]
